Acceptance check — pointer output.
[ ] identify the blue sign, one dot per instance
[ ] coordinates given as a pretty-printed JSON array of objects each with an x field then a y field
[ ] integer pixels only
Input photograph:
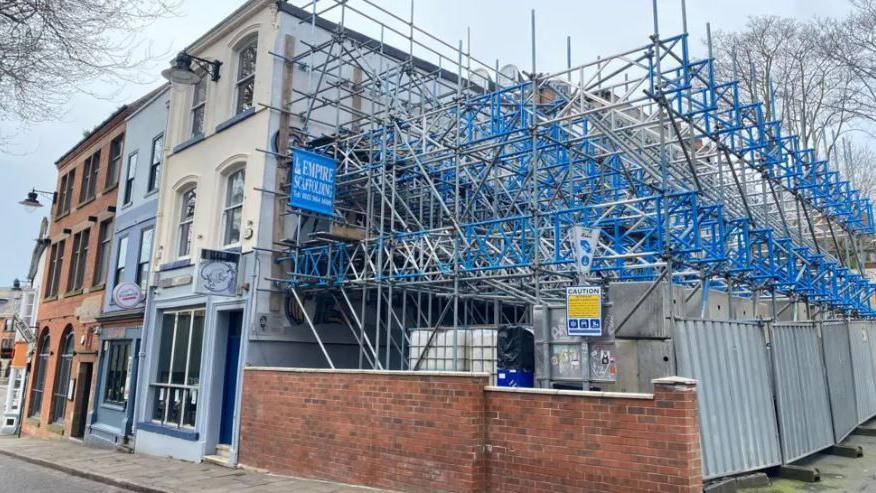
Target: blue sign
[{"x": 313, "y": 182}]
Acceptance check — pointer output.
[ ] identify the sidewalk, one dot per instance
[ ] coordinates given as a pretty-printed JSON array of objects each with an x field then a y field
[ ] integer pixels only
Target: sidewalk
[{"x": 148, "y": 474}]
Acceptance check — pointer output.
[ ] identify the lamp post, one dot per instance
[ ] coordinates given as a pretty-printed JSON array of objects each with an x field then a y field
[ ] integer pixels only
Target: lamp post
[{"x": 32, "y": 201}]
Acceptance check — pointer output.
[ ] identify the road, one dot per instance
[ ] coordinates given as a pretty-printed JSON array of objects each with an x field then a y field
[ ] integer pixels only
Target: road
[{"x": 17, "y": 475}]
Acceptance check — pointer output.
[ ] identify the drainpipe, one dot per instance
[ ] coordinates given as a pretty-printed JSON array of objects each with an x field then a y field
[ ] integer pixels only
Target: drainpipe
[{"x": 141, "y": 392}]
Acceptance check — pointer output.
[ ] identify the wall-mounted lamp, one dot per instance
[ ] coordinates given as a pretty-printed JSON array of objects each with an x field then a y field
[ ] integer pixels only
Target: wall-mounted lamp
[
  {"x": 180, "y": 71},
  {"x": 32, "y": 202}
]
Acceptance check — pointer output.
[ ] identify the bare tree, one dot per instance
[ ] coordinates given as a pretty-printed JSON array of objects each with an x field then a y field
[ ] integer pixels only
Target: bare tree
[
  {"x": 851, "y": 42},
  {"x": 50, "y": 50},
  {"x": 777, "y": 59}
]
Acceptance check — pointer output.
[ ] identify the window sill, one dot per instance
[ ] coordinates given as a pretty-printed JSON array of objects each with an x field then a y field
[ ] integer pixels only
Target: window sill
[
  {"x": 113, "y": 407},
  {"x": 150, "y": 193},
  {"x": 73, "y": 293},
  {"x": 234, "y": 120},
  {"x": 185, "y": 145},
  {"x": 62, "y": 215},
  {"x": 180, "y": 433},
  {"x": 98, "y": 287},
  {"x": 47, "y": 299},
  {"x": 176, "y": 264},
  {"x": 110, "y": 188},
  {"x": 85, "y": 202}
]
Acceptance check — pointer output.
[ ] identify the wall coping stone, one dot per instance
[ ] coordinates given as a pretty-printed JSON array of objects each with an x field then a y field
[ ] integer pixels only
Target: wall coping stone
[
  {"x": 397, "y": 373},
  {"x": 578, "y": 393},
  {"x": 674, "y": 381}
]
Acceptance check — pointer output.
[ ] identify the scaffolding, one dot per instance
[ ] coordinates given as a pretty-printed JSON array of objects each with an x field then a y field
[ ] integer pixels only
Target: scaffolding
[{"x": 458, "y": 182}]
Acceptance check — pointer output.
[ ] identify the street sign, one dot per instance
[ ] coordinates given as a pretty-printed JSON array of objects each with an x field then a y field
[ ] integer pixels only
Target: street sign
[
  {"x": 584, "y": 311},
  {"x": 313, "y": 182},
  {"x": 584, "y": 243}
]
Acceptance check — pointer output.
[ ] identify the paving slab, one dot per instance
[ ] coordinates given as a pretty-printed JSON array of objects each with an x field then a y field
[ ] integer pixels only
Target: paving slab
[{"x": 147, "y": 474}]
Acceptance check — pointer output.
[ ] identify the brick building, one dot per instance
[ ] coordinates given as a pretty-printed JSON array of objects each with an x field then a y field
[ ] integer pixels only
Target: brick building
[{"x": 77, "y": 266}]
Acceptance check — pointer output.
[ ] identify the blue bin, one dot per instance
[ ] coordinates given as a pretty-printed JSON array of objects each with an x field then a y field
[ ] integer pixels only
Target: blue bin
[{"x": 515, "y": 378}]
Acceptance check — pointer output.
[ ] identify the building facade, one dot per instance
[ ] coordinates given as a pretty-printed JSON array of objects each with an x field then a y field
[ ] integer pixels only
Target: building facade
[
  {"x": 128, "y": 281},
  {"x": 10, "y": 300},
  {"x": 60, "y": 382}
]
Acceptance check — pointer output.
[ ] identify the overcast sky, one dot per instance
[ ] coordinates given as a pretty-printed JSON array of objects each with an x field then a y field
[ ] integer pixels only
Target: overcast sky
[{"x": 499, "y": 30}]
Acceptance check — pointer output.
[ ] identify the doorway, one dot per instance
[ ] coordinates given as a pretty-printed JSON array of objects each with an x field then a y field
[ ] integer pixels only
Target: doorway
[
  {"x": 81, "y": 411},
  {"x": 229, "y": 383}
]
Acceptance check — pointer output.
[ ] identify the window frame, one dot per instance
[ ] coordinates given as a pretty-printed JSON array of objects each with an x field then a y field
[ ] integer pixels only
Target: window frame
[
  {"x": 116, "y": 155},
  {"x": 130, "y": 174},
  {"x": 63, "y": 369},
  {"x": 142, "y": 276},
  {"x": 78, "y": 257},
  {"x": 121, "y": 260},
  {"x": 242, "y": 80},
  {"x": 65, "y": 196},
  {"x": 117, "y": 379},
  {"x": 56, "y": 261},
  {"x": 155, "y": 164},
  {"x": 185, "y": 223},
  {"x": 90, "y": 171},
  {"x": 38, "y": 385},
  {"x": 161, "y": 390},
  {"x": 104, "y": 251},
  {"x": 197, "y": 111},
  {"x": 229, "y": 208}
]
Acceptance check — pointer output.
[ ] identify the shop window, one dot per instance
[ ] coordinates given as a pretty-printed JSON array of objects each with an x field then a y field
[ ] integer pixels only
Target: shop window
[
  {"x": 176, "y": 388},
  {"x": 118, "y": 365},
  {"x": 233, "y": 208},
  {"x": 39, "y": 378},
  {"x": 62, "y": 376}
]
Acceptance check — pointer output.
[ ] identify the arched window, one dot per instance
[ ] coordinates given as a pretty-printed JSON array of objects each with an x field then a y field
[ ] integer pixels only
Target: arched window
[
  {"x": 186, "y": 216},
  {"x": 233, "y": 207},
  {"x": 246, "y": 65},
  {"x": 39, "y": 378},
  {"x": 62, "y": 376}
]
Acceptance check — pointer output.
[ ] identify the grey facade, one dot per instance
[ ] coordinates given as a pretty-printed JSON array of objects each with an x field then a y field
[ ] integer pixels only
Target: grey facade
[{"x": 110, "y": 422}]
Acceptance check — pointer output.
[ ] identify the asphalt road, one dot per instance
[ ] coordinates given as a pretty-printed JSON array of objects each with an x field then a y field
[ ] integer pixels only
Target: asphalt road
[{"x": 17, "y": 475}]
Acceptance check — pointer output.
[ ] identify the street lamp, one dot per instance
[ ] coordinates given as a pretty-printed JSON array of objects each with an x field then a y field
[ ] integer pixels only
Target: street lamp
[
  {"x": 32, "y": 202},
  {"x": 181, "y": 72}
]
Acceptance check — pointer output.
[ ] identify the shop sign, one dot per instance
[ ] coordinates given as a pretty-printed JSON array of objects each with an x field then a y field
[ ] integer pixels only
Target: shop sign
[
  {"x": 217, "y": 273},
  {"x": 127, "y": 295}
]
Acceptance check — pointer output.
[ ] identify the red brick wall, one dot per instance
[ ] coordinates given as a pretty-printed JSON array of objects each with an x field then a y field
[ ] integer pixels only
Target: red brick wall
[
  {"x": 427, "y": 432},
  {"x": 398, "y": 431},
  {"x": 563, "y": 441}
]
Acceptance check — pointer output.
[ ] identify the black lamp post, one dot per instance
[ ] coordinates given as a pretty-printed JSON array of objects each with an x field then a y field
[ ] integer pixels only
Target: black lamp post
[{"x": 181, "y": 72}]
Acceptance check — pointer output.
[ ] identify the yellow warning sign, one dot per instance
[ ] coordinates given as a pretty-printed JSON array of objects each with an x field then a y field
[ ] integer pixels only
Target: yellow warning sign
[{"x": 584, "y": 311}]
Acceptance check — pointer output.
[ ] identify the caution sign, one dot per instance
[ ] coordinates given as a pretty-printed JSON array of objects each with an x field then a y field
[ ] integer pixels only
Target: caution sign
[{"x": 584, "y": 311}]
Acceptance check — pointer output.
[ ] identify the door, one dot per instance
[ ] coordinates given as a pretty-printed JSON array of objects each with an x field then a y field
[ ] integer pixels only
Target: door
[
  {"x": 81, "y": 416},
  {"x": 229, "y": 387}
]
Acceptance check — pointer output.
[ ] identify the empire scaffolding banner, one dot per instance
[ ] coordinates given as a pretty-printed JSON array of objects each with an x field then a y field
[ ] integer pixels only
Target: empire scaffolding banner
[
  {"x": 313, "y": 182},
  {"x": 584, "y": 311}
]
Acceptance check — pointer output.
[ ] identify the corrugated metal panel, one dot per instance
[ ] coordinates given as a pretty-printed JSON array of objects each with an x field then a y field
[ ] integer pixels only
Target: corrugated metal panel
[
  {"x": 737, "y": 418},
  {"x": 840, "y": 379},
  {"x": 860, "y": 336},
  {"x": 801, "y": 390}
]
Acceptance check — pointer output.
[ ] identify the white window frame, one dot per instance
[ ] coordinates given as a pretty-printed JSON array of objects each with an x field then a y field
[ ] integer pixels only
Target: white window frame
[
  {"x": 198, "y": 105},
  {"x": 163, "y": 390},
  {"x": 239, "y": 81},
  {"x": 227, "y": 208},
  {"x": 185, "y": 222}
]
